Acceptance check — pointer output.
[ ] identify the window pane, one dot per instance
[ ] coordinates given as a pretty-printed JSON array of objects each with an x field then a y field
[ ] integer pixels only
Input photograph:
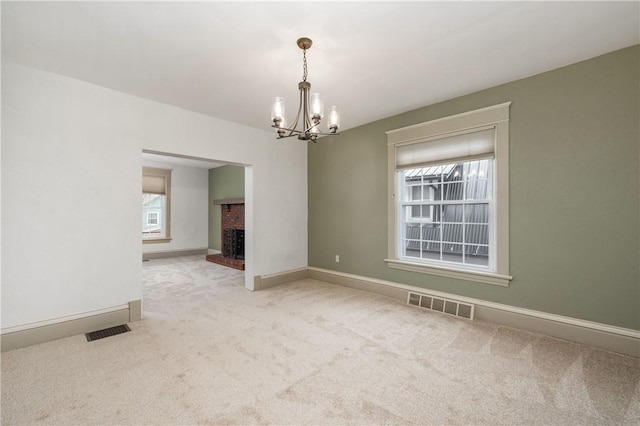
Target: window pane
[
  {"x": 452, "y": 252},
  {"x": 412, "y": 232},
  {"x": 453, "y": 191},
  {"x": 454, "y": 173},
  {"x": 478, "y": 189},
  {"x": 477, "y": 255},
  {"x": 431, "y": 233},
  {"x": 476, "y": 213},
  {"x": 407, "y": 193},
  {"x": 477, "y": 234},
  {"x": 431, "y": 250},
  {"x": 411, "y": 214},
  {"x": 479, "y": 175},
  {"x": 435, "y": 191},
  {"x": 415, "y": 212},
  {"x": 452, "y": 233},
  {"x": 411, "y": 241},
  {"x": 428, "y": 192},
  {"x": 412, "y": 253},
  {"x": 415, "y": 193},
  {"x": 452, "y": 213},
  {"x": 412, "y": 245}
]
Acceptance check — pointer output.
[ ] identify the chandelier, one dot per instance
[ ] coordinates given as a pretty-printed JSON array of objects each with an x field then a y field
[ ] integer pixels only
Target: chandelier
[{"x": 310, "y": 110}]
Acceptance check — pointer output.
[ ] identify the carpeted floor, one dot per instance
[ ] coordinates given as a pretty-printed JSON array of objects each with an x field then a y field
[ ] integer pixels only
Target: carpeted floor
[{"x": 307, "y": 352}]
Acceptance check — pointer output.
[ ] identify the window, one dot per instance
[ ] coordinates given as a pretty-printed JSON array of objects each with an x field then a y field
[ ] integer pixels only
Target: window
[
  {"x": 153, "y": 218},
  {"x": 448, "y": 196},
  {"x": 156, "y": 205}
]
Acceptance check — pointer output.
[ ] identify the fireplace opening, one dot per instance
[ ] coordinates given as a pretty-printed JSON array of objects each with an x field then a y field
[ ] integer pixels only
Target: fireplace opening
[
  {"x": 233, "y": 243},
  {"x": 231, "y": 233}
]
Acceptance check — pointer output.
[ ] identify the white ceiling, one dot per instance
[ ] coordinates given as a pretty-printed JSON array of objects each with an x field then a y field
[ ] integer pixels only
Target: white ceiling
[{"x": 373, "y": 59}]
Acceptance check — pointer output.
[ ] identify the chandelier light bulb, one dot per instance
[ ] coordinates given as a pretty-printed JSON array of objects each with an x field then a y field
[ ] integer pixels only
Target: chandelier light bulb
[
  {"x": 334, "y": 119},
  {"x": 317, "y": 106},
  {"x": 277, "y": 111},
  {"x": 282, "y": 125}
]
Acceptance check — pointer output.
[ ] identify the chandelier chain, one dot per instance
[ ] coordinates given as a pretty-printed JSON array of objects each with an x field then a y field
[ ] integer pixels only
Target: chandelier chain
[{"x": 304, "y": 66}]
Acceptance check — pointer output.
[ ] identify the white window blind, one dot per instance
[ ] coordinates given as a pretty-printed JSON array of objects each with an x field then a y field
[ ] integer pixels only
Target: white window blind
[
  {"x": 461, "y": 147},
  {"x": 153, "y": 184},
  {"x": 156, "y": 181}
]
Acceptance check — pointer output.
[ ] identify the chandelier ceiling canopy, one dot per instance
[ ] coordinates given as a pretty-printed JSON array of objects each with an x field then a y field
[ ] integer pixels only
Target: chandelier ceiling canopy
[{"x": 310, "y": 109}]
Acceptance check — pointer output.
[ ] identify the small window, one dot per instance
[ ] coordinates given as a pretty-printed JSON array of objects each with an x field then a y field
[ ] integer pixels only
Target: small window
[
  {"x": 153, "y": 218},
  {"x": 448, "y": 196},
  {"x": 156, "y": 206}
]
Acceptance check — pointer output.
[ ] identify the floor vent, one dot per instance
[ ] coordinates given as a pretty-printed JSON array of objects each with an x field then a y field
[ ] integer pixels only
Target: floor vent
[
  {"x": 111, "y": 331},
  {"x": 447, "y": 306}
]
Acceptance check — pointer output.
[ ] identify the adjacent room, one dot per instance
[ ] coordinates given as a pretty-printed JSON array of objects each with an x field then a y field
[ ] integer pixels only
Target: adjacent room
[{"x": 447, "y": 233}]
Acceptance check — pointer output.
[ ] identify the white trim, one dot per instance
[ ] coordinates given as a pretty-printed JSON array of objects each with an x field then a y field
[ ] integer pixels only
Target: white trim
[
  {"x": 151, "y": 255},
  {"x": 278, "y": 274},
  {"x": 63, "y": 319},
  {"x": 261, "y": 282},
  {"x": 441, "y": 126},
  {"x": 611, "y": 329},
  {"x": 443, "y": 271}
]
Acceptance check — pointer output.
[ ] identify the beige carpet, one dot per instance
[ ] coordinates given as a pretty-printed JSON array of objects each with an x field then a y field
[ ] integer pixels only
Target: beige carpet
[{"x": 209, "y": 352}]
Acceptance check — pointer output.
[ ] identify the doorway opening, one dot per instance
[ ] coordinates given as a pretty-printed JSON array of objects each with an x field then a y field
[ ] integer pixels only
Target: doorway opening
[{"x": 196, "y": 221}]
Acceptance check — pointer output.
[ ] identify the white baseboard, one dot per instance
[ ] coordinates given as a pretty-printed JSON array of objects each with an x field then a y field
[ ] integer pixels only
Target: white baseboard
[
  {"x": 617, "y": 339},
  {"x": 173, "y": 253},
  {"x": 260, "y": 282},
  {"x": 44, "y": 331},
  {"x": 213, "y": 251}
]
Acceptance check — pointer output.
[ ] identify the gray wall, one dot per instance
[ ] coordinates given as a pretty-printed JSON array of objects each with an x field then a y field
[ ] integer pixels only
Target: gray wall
[
  {"x": 224, "y": 182},
  {"x": 574, "y": 193}
]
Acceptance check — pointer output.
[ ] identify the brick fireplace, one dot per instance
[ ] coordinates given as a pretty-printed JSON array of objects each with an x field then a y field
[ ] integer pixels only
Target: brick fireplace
[{"x": 231, "y": 233}]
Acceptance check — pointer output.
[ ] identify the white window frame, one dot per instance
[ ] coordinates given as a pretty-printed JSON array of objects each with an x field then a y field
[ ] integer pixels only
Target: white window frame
[
  {"x": 496, "y": 116},
  {"x": 165, "y": 174}
]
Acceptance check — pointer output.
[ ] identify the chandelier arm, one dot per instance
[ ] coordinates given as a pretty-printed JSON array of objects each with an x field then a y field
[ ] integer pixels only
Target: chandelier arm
[
  {"x": 326, "y": 134},
  {"x": 295, "y": 123},
  {"x": 286, "y": 136},
  {"x": 288, "y": 129},
  {"x": 304, "y": 103},
  {"x": 283, "y": 130},
  {"x": 293, "y": 132}
]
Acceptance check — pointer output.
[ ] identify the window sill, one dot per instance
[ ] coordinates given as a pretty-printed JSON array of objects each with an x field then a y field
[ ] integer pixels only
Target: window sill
[
  {"x": 481, "y": 277},
  {"x": 156, "y": 240}
]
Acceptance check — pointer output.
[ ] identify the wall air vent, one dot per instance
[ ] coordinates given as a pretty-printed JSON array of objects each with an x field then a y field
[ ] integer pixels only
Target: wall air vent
[
  {"x": 440, "y": 304},
  {"x": 107, "y": 332}
]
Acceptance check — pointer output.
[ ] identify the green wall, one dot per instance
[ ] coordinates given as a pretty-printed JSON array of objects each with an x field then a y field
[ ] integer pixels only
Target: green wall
[
  {"x": 224, "y": 182},
  {"x": 574, "y": 193}
]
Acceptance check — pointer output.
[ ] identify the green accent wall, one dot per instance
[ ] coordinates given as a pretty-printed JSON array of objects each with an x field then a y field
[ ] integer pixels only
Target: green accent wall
[
  {"x": 224, "y": 182},
  {"x": 574, "y": 193}
]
